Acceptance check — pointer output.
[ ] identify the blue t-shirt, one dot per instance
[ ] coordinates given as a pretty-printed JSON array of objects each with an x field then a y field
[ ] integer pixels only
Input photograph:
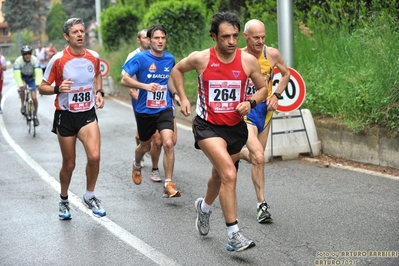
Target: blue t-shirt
[{"x": 152, "y": 69}]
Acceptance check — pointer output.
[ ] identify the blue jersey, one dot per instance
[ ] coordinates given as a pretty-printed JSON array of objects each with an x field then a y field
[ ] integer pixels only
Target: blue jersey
[{"x": 152, "y": 69}]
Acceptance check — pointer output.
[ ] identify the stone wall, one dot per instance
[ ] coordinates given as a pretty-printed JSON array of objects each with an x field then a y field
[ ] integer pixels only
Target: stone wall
[{"x": 374, "y": 145}]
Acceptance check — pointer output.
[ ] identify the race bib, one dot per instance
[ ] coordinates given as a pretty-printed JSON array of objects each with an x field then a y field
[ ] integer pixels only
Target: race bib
[
  {"x": 157, "y": 99},
  {"x": 80, "y": 98},
  {"x": 224, "y": 95}
]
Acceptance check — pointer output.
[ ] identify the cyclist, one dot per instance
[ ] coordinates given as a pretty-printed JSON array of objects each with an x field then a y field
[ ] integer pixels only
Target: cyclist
[{"x": 27, "y": 72}]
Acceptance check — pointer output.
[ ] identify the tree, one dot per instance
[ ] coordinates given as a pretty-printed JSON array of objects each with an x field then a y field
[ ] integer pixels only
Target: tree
[
  {"x": 55, "y": 21},
  {"x": 84, "y": 9},
  {"x": 21, "y": 14}
]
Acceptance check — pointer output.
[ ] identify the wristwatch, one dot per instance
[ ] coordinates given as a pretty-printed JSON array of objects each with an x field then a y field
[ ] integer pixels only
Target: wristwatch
[
  {"x": 174, "y": 94},
  {"x": 278, "y": 95},
  {"x": 253, "y": 103}
]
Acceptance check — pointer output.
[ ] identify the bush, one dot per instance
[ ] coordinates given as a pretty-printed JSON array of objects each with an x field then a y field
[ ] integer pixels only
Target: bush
[
  {"x": 184, "y": 23},
  {"x": 118, "y": 23}
]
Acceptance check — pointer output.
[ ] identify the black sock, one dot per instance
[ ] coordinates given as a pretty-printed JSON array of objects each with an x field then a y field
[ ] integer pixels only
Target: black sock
[
  {"x": 64, "y": 197},
  {"x": 154, "y": 169},
  {"x": 231, "y": 224}
]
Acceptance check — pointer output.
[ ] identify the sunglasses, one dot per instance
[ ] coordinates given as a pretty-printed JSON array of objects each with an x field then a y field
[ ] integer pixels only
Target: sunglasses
[{"x": 27, "y": 53}]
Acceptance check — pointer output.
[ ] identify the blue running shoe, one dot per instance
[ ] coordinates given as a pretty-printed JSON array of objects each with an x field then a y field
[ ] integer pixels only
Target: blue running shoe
[
  {"x": 63, "y": 211},
  {"x": 95, "y": 206}
]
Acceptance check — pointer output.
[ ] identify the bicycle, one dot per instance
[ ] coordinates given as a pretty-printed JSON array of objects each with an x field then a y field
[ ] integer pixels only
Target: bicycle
[{"x": 30, "y": 111}]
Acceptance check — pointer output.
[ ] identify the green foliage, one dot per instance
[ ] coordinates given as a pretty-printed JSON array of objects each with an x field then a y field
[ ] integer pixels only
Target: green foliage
[
  {"x": 118, "y": 23},
  {"x": 349, "y": 75},
  {"x": 55, "y": 21},
  {"x": 21, "y": 14},
  {"x": 184, "y": 23},
  {"x": 26, "y": 36},
  {"x": 345, "y": 51},
  {"x": 264, "y": 10}
]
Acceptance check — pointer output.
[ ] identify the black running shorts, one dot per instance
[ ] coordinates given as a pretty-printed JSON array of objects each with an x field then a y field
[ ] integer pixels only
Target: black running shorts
[
  {"x": 235, "y": 136},
  {"x": 147, "y": 124},
  {"x": 69, "y": 124}
]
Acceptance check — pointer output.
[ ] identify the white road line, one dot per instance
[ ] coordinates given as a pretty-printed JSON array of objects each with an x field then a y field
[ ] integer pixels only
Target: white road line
[{"x": 112, "y": 227}]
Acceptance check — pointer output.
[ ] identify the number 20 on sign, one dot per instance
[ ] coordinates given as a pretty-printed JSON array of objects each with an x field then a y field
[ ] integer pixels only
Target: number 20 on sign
[{"x": 293, "y": 95}]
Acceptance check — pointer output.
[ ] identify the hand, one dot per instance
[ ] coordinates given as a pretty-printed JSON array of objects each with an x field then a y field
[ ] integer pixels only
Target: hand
[
  {"x": 99, "y": 100},
  {"x": 185, "y": 107},
  {"x": 272, "y": 103},
  {"x": 244, "y": 108},
  {"x": 134, "y": 93},
  {"x": 65, "y": 86}
]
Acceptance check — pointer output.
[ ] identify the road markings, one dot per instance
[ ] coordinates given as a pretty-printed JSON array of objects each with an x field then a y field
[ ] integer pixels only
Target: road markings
[{"x": 111, "y": 226}]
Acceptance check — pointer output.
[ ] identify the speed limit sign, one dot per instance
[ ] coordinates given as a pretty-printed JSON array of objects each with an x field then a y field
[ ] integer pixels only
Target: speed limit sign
[
  {"x": 104, "y": 67},
  {"x": 294, "y": 94}
]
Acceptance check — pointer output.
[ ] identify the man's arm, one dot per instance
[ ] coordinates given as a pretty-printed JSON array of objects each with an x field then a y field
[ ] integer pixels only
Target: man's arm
[
  {"x": 277, "y": 60},
  {"x": 98, "y": 90},
  {"x": 191, "y": 62}
]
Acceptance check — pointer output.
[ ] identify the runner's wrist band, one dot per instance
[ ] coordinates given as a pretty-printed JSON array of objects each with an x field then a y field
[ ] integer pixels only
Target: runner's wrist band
[
  {"x": 57, "y": 89},
  {"x": 100, "y": 91}
]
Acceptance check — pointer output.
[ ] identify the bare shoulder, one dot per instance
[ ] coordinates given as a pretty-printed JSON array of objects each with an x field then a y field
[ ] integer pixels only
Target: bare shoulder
[
  {"x": 196, "y": 60},
  {"x": 248, "y": 58},
  {"x": 274, "y": 55},
  {"x": 199, "y": 57}
]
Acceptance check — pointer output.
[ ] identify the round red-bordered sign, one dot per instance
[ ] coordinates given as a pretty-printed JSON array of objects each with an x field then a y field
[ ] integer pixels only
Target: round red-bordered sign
[
  {"x": 295, "y": 93},
  {"x": 104, "y": 67}
]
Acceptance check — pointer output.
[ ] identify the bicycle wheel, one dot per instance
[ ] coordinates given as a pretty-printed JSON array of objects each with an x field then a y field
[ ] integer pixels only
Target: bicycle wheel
[{"x": 29, "y": 115}]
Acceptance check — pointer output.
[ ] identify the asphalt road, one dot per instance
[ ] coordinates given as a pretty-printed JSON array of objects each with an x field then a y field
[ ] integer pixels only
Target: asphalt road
[{"x": 321, "y": 215}]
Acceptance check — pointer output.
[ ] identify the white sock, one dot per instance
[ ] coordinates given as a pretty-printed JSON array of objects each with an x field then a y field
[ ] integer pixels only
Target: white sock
[
  {"x": 205, "y": 208},
  {"x": 167, "y": 180},
  {"x": 89, "y": 194},
  {"x": 232, "y": 229}
]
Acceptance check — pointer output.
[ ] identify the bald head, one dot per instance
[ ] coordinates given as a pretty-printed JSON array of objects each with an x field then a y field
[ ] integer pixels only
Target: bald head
[
  {"x": 254, "y": 34},
  {"x": 254, "y": 25}
]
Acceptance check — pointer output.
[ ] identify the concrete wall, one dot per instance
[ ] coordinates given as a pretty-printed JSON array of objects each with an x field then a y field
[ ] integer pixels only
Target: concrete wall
[{"x": 374, "y": 145}]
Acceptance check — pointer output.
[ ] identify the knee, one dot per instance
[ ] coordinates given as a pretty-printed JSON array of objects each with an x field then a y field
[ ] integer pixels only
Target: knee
[
  {"x": 168, "y": 145},
  {"x": 258, "y": 158},
  {"x": 93, "y": 158},
  {"x": 69, "y": 165}
]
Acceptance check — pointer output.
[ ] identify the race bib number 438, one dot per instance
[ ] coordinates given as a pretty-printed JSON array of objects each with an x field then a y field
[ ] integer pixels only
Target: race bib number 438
[
  {"x": 80, "y": 98},
  {"x": 224, "y": 95}
]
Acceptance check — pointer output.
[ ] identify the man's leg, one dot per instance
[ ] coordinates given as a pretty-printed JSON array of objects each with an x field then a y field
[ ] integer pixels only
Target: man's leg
[
  {"x": 223, "y": 180},
  {"x": 89, "y": 135},
  {"x": 67, "y": 146}
]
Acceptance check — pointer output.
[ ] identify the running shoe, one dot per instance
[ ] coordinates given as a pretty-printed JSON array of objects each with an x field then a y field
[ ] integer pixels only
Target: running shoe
[
  {"x": 170, "y": 191},
  {"x": 264, "y": 215},
  {"x": 63, "y": 211},
  {"x": 239, "y": 243},
  {"x": 154, "y": 176},
  {"x": 136, "y": 174},
  {"x": 95, "y": 206},
  {"x": 202, "y": 221},
  {"x": 1, "y": 110},
  {"x": 36, "y": 121}
]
